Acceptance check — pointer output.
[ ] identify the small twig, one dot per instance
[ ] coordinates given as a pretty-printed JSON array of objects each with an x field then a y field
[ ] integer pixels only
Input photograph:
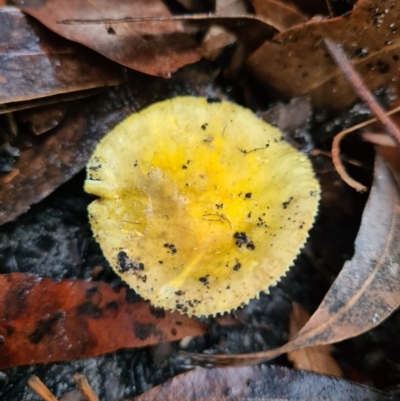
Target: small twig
[
  {"x": 362, "y": 91},
  {"x": 38, "y": 387},
  {"x": 320, "y": 152},
  {"x": 84, "y": 387},
  {"x": 336, "y": 150},
  {"x": 337, "y": 162},
  {"x": 330, "y": 9}
]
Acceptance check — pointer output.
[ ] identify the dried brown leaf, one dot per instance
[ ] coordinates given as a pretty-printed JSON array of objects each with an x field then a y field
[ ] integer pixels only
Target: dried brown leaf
[
  {"x": 262, "y": 383},
  {"x": 367, "y": 289},
  {"x": 316, "y": 359},
  {"x": 296, "y": 63},
  {"x": 282, "y": 15},
  {"x": 153, "y": 47},
  {"x": 214, "y": 42},
  {"x": 42, "y": 320},
  {"x": 250, "y": 30},
  {"x": 35, "y": 63}
]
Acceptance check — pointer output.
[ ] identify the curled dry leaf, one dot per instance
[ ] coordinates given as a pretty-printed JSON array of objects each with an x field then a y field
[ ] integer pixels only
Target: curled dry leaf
[
  {"x": 43, "y": 320},
  {"x": 296, "y": 63},
  {"x": 152, "y": 47},
  {"x": 264, "y": 383},
  {"x": 280, "y": 14},
  {"x": 35, "y": 63},
  {"x": 367, "y": 289}
]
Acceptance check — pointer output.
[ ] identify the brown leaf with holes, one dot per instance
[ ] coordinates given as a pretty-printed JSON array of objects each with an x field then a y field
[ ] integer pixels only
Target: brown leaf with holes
[
  {"x": 35, "y": 62},
  {"x": 296, "y": 63},
  {"x": 263, "y": 383},
  {"x": 43, "y": 320},
  {"x": 282, "y": 15},
  {"x": 153, "y": 47},
  {"x": 367, "y": 289},
  {"x": 316, "y": 359}
]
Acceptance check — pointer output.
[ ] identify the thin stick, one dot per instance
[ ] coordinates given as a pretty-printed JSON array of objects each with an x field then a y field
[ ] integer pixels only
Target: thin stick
[
  {"x": 320, "y": 152},
  {"x": 337, "y": 162},
  {"x": 362, "y": 91},
  {"x": 38, "y": 387},
  {"x": 84, "y": 387},
  {"x": 329, "y": 5}
]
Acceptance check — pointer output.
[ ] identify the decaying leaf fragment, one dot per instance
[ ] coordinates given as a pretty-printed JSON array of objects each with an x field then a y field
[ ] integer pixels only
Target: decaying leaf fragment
[
  {"x": 42, "y": 321},
  {"x": 201, "y": 205}
]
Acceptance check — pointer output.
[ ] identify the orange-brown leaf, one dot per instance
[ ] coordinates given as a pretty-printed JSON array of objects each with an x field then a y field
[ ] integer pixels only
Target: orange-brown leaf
[{"x": 42, "y": 320}]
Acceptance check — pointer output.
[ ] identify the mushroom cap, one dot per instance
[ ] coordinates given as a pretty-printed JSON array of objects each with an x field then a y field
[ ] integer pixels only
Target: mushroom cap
[{"x": 200, "y": 205}]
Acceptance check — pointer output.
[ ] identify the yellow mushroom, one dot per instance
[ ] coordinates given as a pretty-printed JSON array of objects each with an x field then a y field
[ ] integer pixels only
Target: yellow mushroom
[{"x": 200, "y": 205}]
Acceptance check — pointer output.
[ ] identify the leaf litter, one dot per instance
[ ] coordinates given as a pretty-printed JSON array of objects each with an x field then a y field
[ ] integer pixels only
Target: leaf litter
[
  {"x": 201, "y": 28},
  {"x": 295, "y": 63}
]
